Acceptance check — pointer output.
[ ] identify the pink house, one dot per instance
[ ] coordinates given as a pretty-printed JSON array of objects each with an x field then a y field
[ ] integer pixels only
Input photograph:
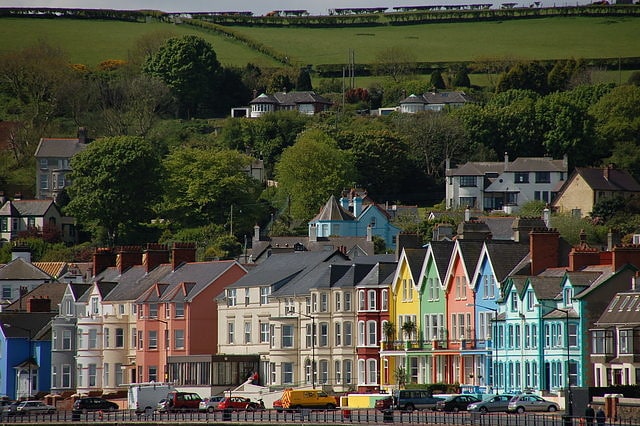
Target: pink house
[{"x": 178, "y": 317}]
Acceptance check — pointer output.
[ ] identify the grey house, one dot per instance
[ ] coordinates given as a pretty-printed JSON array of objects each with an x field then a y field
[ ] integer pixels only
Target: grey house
[{"x": 64, "y": 336}]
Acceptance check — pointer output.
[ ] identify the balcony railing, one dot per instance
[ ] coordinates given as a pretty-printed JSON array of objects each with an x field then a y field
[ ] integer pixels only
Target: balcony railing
[{"x": 435, "y": 345}]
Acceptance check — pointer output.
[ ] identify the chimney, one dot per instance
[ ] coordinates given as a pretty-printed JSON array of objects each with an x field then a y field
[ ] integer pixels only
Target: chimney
[
  {"x": 565, "y": 162},
  {"x": 127, "y": 257},
  {"x": 344, "y": 203},
  {"x": 447, "y": 164},
  {"x": 22, "y": 251},
  {"x": 155, "y": 255},
  {"x": 17, "y": 196},
  {"x": 39, "y": 304},
  {"x": 357, "y": 206},
  {"x": 313, "y": 233},
  {"x": 256, "y": 233},
  {"x": 583, "y": 256},
  {"x": 83, "y": 135},
  {"x": 182, "y": 253},
  {"x": 546, "y": 216},
  {"x": 369, "y": 233},
  {"x": 607, "y": 171},
  {"x": 621, "y": 255},
  {"x": 506, "y": 161},
  {"x": 610, "y": 240},
  {"x": 544, "y": 247},
  {"x": 103, "y": 258},
  {"x": 522, "y": 226}
]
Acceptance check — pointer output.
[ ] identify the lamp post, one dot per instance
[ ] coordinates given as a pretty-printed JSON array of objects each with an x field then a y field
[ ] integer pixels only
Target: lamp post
[
  {"x": 569, "y": 409},
  {"x": 495, "y": 340},
  {"x": 166, "y": 348},
  {"x": 28, "y": 330},
  {"x": 313, "y": 348}
]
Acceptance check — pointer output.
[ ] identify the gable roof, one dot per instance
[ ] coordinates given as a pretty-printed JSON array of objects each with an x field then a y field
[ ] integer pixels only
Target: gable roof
[
  {"x": 331, "y": 211},
  {"x": 55, "y": 269},
  {"x": 23, "y": 208},
  {"x": 504, "y": 256},
  {"x": 19, "y": 269},
  {"x": 441, "y": 253},
  {"x": 136, "y": 281},
  {"x": 52, "y": 291},
  {"x": 617, "y": 313},
  {"x": 618, "y": 180},
  {"x": 59, "y": 147},
  {"x": 520, "y": 164},
  {"x": 194, "y": 277},
  {"x": 33, "y": 321},
  {"x": 291, "y": 98},
  {"x": 453, "y": 97}
]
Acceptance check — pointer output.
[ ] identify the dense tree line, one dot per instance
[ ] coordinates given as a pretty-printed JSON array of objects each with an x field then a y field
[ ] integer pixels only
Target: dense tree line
[{"x": 161, "y": 169}]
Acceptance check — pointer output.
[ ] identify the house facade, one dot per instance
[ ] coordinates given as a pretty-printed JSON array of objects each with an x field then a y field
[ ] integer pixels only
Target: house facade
[
  {"x": 587, "y": 186},
  {"x": 504, "y": 185},
  {"x": 53, "y": 158},
  {"x": 432, "y": 101},
  {"x": 308, "y": 103},
  {"x": 40, "y": 216}
]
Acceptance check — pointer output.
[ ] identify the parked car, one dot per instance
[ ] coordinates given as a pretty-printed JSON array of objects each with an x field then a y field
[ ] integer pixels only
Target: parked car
[
  {"x": 34, "y": 407},
  {"x": 456, "y": 403},
  {"x": 530, "y": 402},
  {"x": 496, "y": 403},
  {"x": 10, "y": 409},
  {"x": 414, "y": 399},
  {"x": 235, "y": 403},
  {"x": 308, "y": 398},
  {"x": 86, "y": 405},
  {"x": 179, "y": 401},
  {"x": 210, "y": 404},
  {"x": 384, "y": 404},
  {"x": 277, "y": 405}
]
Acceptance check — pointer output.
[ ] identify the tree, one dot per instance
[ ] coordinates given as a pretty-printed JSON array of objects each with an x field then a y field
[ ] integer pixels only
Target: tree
[
  {"x": 461, "y": 78},
  {"x": 396, "y": 62},
  {"x": 189, "y": 66},
  {"x": 525, "y": 75},
  {"x": 202, "y": 185},
  {"x": 303, "y": 82},
  {"x": 115, "y": 183},
  {"x": 311, "y": 170},
  {"x": 437, "y": 82}
]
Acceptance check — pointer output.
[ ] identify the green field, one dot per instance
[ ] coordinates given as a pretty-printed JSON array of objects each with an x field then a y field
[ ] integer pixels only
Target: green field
[{"x": 90, "y": 42}]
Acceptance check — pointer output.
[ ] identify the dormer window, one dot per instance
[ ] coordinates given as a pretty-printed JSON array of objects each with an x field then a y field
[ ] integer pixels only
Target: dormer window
[
  {"x": 514, "y": 301},
  {"x": 567, "y": 295}
]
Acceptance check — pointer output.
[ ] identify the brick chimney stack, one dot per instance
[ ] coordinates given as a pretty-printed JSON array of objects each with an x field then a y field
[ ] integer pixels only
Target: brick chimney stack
[
  {"x": 544, "y": 245},
  {"x": 128, "y": 256},
  {"x": 155, "y": 255},
  {"x": 181, "y": 253},
  {"x": 103, "y": 258},
  {"x": 624, "y": 254}
]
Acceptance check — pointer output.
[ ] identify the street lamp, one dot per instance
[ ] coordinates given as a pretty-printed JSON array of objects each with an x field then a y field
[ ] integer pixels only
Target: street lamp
[
  {"x": 28, "y": 330},
  {"x": 495, "y": 340},
  {"x": 569, "y": 410},
  {"x": 313, "y": 348}
]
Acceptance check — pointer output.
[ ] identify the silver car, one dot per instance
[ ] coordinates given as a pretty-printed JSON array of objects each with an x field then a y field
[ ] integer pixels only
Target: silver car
[
  {"x": 34, "y": 407},
  {"x": 529, "y": 402},
  {"x": 210, "y": 404},
  {"x": 496, "y": 403}
]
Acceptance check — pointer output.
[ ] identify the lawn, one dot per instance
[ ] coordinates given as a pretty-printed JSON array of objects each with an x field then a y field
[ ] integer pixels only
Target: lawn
[
  {"x": 91, "y": 42},
  {"x": 545, "y": 38}
]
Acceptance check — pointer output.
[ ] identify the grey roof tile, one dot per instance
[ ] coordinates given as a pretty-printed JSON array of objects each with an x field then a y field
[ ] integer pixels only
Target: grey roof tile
[{"x": 59, "y": 148}]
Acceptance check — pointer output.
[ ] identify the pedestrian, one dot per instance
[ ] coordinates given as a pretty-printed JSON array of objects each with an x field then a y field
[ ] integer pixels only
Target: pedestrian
[
  {"x": 600, "y": 417},
  {"x": 589, "y": 414}
]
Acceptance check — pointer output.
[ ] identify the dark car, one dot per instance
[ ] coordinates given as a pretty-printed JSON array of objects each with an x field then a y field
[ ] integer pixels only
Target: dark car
[
  {"x": 10, "y": 409},
  {"x": 415, "y": 399},
  {"x": 86, "y": 405},
  {"x": 384, "y": 404},
  {"x": 456, "y": 403}
]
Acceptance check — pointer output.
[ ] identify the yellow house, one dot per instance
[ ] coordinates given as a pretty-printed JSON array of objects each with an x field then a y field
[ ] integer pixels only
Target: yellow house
[{"x": 404, "y": 315}]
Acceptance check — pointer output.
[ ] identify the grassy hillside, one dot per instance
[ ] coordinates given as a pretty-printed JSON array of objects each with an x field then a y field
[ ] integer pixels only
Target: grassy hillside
[{"x": 91, "y": 42}]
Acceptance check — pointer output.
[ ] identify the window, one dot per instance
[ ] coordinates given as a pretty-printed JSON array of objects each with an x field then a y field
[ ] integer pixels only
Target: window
[
  {"x": 66, "y": 340},
  {"x": 265, "y": 292},
  {"x": 153, "y": 339},
  {"x": 179, "y": 309},
  {"x": 167, "y": 310},
  {"x": 385, "y": 300},
  {"x": 337, "y": 372},
  {"x": 371, "y": 296},
  {"x": 324, "y": 334},
  {"x": 231, "y": 297},
  {"x": 118, "y": 367},
  {"x": 362, "y": 374},
  {"x": 543, "y": 177},
  {"x": 324, "y": 372},
  {"x": 80, "y": 377},
  {"x": 338, "y": 301},
  {"x": 119, "y": 338},
  {"x": 314, "y": 302},
  {"x": 44, "y": 182},
  {"x": 573, "y": 335},
  {"x": 308, "y": 335},
  {"x": 338, "y": 334},
  {"x": 361, "y": 301},
  {"x": 287, "y": 336},
  {"x": 264, "y": 332},
  {"x": 521, "y": 177},
  {"x": 6, "y": 292},
  {"x": 93, "y": 339},
  {"x": 94, "y": 305},
  {"x": 105, "y": 336},
  {"x": 348, "y": 331},
  {"x": 178, "y": 339},
  {"x": 153, "y": 373},
  {"x": 361, "y": 333},
  {"x": 44, "y": 163},
  {"x": 348, "y": 371},
  {"x": 468, "y": 201},
  {"x": 347, "y": 302},
  {"x": 247, "y": 332},
  {"x": 514, "y": 301},
  {"x": 324, "y": 302},
  {"x": 230, "y": 332},
  {"x": 153, "y": 310},
  {"x": 66, "y": 376},
  {"x": 54, "y": 376},
  {"x": 93, "y": 370},
  {"x": 134, "y": 338},
  {"x": 372, "y": 333},
  {"x": 467, "y": 181},
  {"x": 247, "y": 298},
  {"x": 287, "y": 373},
  {"x": 372, "y": 371},
  {"x": 105, "y": 375}
]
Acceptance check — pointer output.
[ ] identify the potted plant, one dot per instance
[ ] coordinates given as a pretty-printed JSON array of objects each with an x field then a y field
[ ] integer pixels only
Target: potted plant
[
  {"x": 388, "y": 331},
  {"x": 409, "y": 328}
]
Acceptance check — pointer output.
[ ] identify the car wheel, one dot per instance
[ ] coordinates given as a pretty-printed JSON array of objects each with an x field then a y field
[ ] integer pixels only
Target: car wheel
[
  {"x": 409, "y": 407},
  {"x": 210, "y": 410},
  {"x": 51, "y": 412},
  {"x": 484, "y": 410},
  {"x": 552, "y": 408},
  {"x": 520, "y": 410},
  {"x": 330, "y": 406},
  {"x": 455, "y": 409}
]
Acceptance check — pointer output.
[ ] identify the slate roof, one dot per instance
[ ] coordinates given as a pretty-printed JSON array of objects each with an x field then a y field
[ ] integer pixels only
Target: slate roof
[
  {"x": 381, "y": 273},
  {"x": 415, "y": 259},
  {"x": 278, "y": 269},
  {"x": 619, "y": 180},
  {"x": 201, "y": 274},
  {"x": 59, "y": 147},
  {"x": 78, "y": 289},
  {"x": 52, "y": 291},
  {"x": 501, "y": 227},
  {"x": 25, "y": 208},
  {"x": 332, "y": 211},
  {"x": 505, "y": 255},
  {"x": 617, "y": 313},
  {"x": 34, "y": 321},
  {"x": 442, "y": 254},
  {"x": 470, "y": 252},
  {"x": 136, "y": 281},
  {"x": 436, "y": 98},
  {"x": 520, "y": 164},
  {"x": 546, "y": 288},
  {"x": 290, "y": 98},
  {"x": 322, "y": 275},
  {"x": 19, "y": 269}
]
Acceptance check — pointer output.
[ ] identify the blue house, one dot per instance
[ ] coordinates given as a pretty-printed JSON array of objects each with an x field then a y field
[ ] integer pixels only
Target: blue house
[
  {"x": 25, "y": 354},
  {"x": 352, "y": 218}
]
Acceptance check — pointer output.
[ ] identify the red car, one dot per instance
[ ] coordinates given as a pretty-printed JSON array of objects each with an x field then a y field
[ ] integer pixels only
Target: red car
[
  {"x": 237, "y": 403},
  {"x": 277, "y": 405},
  {"x": 384, "y": 404}
]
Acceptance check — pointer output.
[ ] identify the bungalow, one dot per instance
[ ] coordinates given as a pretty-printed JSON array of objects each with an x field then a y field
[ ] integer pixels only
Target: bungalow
[
  {"x": 308, "y": 103},
  {"x": 432, "y": 101}
]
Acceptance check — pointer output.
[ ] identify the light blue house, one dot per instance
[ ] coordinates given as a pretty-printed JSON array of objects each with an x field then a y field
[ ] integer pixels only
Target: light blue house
[
  {"x": 351, "y": 218},
  {"x": 25, "y": 354}
]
